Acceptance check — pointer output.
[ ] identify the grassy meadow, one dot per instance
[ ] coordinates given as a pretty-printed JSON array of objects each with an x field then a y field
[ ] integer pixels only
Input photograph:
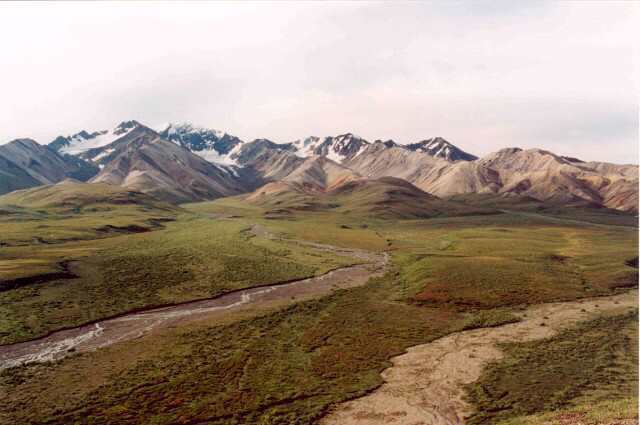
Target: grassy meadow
[
  {"x": 592, "y": 366},
  {"x": 66, "y": 282},
  {"x": 289, "y": 362}
]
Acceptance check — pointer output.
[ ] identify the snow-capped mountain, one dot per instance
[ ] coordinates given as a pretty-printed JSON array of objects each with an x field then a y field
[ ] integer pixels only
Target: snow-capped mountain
[
  {"x": 101, "y": 147},
  {"x": 213, "y": 145},
  {"x": 338, "y": 148},
  {"x": 143, "y": 160},
  {"x": 184, "y": 162},
  {"x": 440, "y": 148},
  {"x": 81, "y": 142},
  {"x": 346, "y": 147}
]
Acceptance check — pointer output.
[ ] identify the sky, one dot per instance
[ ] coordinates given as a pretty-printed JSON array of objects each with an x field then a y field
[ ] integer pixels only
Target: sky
[{"x": 561, "y": 76}]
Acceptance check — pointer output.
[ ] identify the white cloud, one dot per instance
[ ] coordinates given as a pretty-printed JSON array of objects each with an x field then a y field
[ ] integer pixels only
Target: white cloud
[{"x": 483, "y": 74}]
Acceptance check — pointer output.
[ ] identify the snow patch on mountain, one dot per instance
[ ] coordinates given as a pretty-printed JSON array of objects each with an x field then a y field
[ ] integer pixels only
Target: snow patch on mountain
[
  {"x": 214, "y": 156},
  {"x": 305, "y": 147},
  {"x": 178, "y": 129},
  {"x": 338, "y": 148},
  {"x": 103, "y": 154},
  {"x": 83, "y": 141},
  {"x": 440, "y": 148},
  {"x": 213, "y": 145}
]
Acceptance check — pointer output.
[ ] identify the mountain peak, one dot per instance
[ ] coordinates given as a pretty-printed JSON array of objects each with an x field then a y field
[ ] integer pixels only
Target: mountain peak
[
  {"x": 387, "y": 143},
  {"x": 509, "y": 150},
  {"x": 126, "y": 126},
  {"x": 27, "y": 142},
  {"x": 528, "y": 153},
  {"x": 213, "y": 145},
  {"x": 441, "y": 148},
  {"x": 185, "y": 127},
  {"x": 348, "y": 136},
  {"x": 339, "y": 148}
]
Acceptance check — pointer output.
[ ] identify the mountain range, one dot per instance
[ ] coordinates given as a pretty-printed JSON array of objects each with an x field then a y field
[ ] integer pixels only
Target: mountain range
[{"x": 186, "y": 163}]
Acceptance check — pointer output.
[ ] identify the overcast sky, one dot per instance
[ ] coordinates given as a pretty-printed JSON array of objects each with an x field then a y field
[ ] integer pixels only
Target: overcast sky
[{"x": 484, "y": 75}]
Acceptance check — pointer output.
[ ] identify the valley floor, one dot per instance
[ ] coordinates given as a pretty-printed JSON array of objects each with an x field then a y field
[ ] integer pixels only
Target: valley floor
[
  {"x": 479, "y": 298},
  {"x": 136, "y": 324}
]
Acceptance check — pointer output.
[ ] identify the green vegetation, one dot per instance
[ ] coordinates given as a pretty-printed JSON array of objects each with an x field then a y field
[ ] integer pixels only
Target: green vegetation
[
  {"x": 489, "y": 319},
  {"x": 43, "y": 226},
  {"x": 604, "y": 412},
  {"x": 507, "y": 264},
  {"x": 383, "y": 198},
  {"x": 593, "y": 363},
  {"x": 333, "y": 229},
  {"x": 580, "y": 210},
  {"x": 191, "y": 259},
  {"x": 283, "y": 367},
  {"x": 54, "y": 280},
  {"x": 393, "y": 198},
  {"x": 288, "y": 362},
  {"x": 72, "y": 196}
]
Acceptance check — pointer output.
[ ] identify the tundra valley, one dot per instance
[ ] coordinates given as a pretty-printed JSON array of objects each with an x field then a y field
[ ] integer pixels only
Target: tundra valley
[{"x": 180, "y": 275}]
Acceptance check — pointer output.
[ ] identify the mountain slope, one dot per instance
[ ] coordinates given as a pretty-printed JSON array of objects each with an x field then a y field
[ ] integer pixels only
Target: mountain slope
[
  {"x": 548, "y": 177},
  {"x": 75, "y": 195},
  {"x": 252, "y": 151},
  {"x": 299, "y": 189},
  {"x": 432, "y": 174},
  {"x": 386, "y": 197},
  {"x": 143, "y": 161},
  {"x": 379, "y": 160},
  {"x": 390, "y": 197},
  {"x": 318, "y": 173},
  {"x": 273, "y": 165},
  {"x": 25, "y": 163},
  {"x": 621, "y": 195},
  {"x": 611, "y": 171},
  {"x": 534, "y": 173},
  {"x": 13, "y": 177},
  {"x": 457, "y": 178}
]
